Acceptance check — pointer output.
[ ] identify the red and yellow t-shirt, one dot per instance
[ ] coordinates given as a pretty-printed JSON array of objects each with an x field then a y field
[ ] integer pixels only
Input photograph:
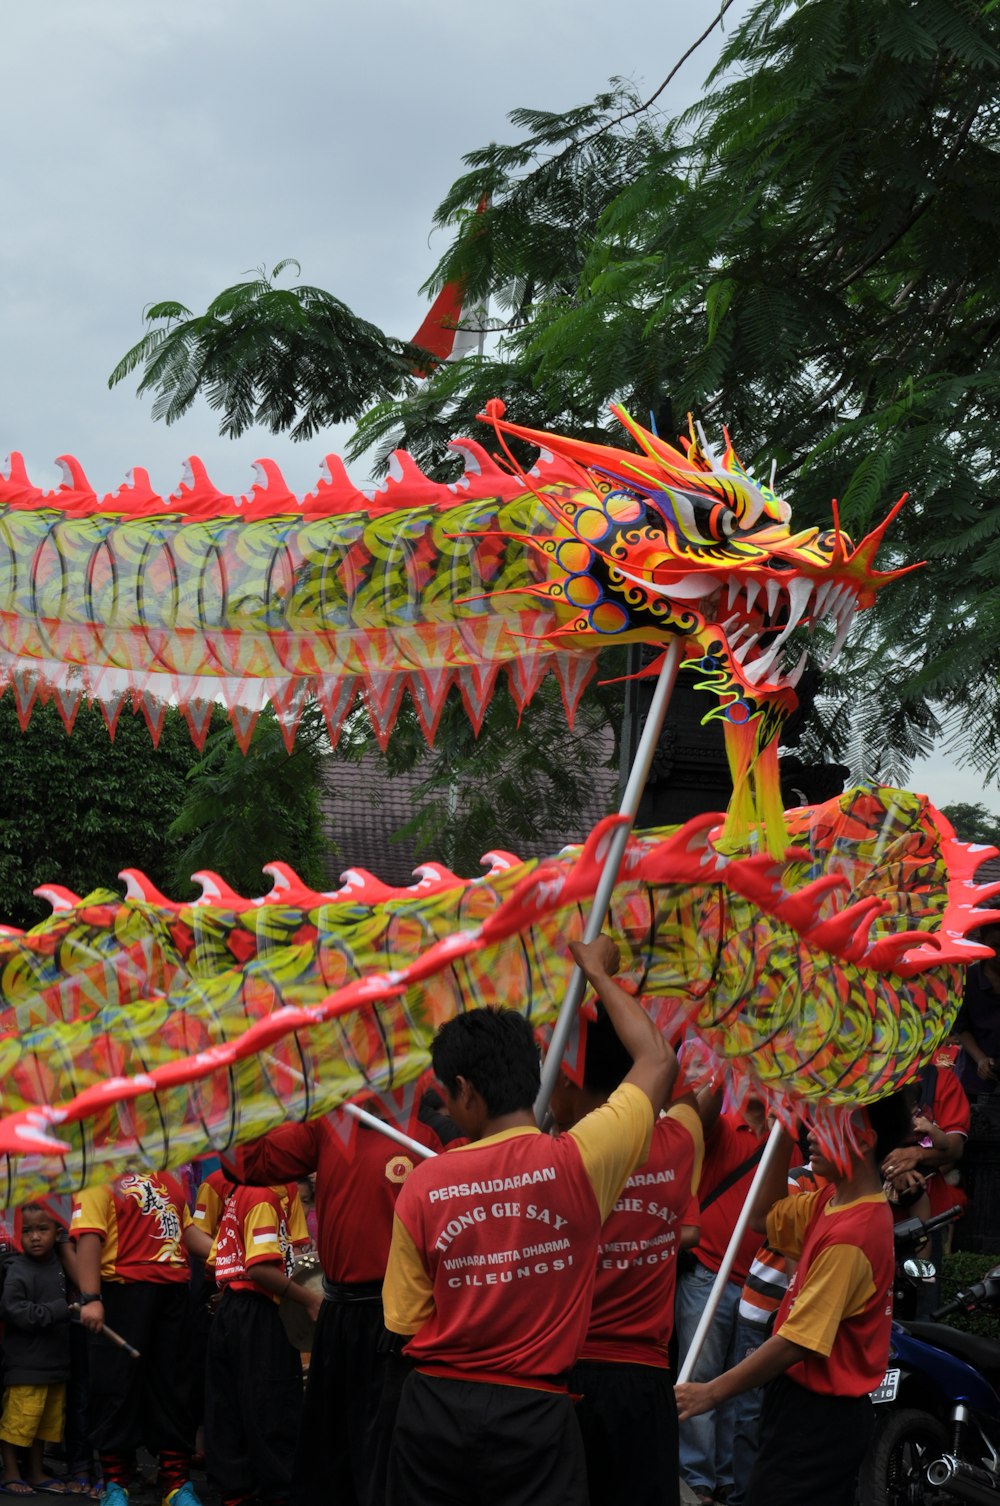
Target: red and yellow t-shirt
[
  {"x": 252, "y": 1231},
  {"x": 494, "y": 1246},
  {"x": 140, "y": 1219},
  {"x": 727, "y": 1147},
  {"x": 632, "y": 1316},
  {"x": 216, "y": 1190},
  {"x": 357, "y": 1184},
  {"x": 839, "y": 1302}
]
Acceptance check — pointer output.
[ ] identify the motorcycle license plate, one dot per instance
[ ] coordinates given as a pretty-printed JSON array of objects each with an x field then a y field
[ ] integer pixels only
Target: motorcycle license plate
[{"x": 887, "y": 1390}]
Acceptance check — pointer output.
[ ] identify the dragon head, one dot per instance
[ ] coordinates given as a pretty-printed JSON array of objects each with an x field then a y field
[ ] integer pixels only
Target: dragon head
[{"x": 662, "y": 542}]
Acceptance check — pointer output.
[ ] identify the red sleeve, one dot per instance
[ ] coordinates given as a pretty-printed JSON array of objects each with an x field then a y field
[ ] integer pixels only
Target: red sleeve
[
  {"x": 289, "y": 1152},
  {"x": 951, "y": 1106}
]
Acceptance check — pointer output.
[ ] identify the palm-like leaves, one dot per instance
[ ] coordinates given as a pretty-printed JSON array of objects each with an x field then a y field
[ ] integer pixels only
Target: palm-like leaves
[{"x": 294, "y": 359}]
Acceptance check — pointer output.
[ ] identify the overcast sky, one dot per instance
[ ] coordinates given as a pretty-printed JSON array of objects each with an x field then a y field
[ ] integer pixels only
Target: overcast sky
[{"x": 162, "y": 151}]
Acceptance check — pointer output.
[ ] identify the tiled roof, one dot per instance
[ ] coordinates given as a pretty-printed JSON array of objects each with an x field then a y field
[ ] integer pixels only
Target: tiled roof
[{"x": 363, "y": 809}]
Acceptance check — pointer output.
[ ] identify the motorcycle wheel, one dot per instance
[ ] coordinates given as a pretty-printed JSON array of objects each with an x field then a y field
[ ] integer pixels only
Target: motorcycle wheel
[{"x": 894, "y": 1471}]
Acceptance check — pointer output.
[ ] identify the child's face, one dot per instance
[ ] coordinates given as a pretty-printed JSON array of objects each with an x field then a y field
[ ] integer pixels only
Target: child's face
[{"x": 38, "y": 1234}]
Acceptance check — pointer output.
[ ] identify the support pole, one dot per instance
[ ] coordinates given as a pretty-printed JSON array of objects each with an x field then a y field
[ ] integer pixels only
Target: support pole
[
  {"x": 389, "y": 1130},
  {"x": 641, "y": 765},
  {"x": 715, "y": 1295}
]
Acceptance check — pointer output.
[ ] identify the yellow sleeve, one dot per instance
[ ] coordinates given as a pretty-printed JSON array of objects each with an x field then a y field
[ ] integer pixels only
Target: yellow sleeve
[
  {"x": 298, "y": 1230},
  {"x": 787, "y": 1222},
  {"x": 91, "y": 1212},
  {"x": 691, "y": 1120},
  {"x": 838, "y": 1284},
  {"x": 407, "y": 1291},
  {"x": 260, "y": 1234},
  {"x": 613, "y": 1141}
]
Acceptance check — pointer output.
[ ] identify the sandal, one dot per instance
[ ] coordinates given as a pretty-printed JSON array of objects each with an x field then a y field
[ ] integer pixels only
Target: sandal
[
  {"x": 16, "y": 1488},
  {"x": 50, "y": 1486}
]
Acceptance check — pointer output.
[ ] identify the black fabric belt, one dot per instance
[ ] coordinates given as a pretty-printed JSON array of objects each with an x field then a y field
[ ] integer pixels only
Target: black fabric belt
[{"x": 352, "y": 1291}]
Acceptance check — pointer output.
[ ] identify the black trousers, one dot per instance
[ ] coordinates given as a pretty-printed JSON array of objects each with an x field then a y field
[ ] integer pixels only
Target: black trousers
[
  {"x": 349, "y": 1411},
  {"x": 628, "y": 1418},
  {"x": 811, "y": 1447},
  {"x": 144, "y": 1401},
  {"x": 467, "y": 1443},
  {"x": 253, "y": 1399}
]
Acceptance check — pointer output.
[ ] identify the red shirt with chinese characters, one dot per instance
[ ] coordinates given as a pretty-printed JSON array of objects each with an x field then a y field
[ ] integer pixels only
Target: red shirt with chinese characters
[{"x": 140, "y": 1219}]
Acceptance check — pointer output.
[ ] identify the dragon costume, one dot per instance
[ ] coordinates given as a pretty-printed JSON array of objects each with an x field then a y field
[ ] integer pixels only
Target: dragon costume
[{"x": 819, "y": 958}]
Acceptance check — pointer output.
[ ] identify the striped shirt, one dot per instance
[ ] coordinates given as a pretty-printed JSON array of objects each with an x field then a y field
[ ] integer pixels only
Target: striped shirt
[{"x": 767, "y": 1279}]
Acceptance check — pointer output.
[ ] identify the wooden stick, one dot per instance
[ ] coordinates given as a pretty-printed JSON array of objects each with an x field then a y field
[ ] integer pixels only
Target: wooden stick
[{"x": 109, "y": 1333}]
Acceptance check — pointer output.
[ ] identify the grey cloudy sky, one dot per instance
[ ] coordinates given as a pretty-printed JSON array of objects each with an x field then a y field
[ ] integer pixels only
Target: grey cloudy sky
[{"x": 155, "y": 151}]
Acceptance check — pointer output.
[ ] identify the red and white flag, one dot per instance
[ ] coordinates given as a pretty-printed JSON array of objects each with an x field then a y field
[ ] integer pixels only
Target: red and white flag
[{"x": 441, "y": 332}]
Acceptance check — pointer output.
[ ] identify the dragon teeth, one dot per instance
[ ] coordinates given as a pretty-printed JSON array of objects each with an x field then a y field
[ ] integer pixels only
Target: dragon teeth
[
  {"x": 845, "y": 618},
  {"x": 755, "y": 672},
  {"x": 740, "y": 653},
  {"x": 795, "y": 676},
  {"x": 753, "y": 591},
  {"x": 773, "y": 595}
]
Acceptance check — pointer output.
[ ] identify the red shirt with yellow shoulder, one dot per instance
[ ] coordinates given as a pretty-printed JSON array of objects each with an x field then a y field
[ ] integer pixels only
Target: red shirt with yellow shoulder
[
  {"x": 140, "y": 1219},
  {"x": 632, "y": 1316},
  {"x": 252, "y": 1231},
  {"x": 357, "y": 1185},
  {"x": 494, "y": 1246},
  {"x": 215, "y": 1191},
  {"x": 838, "y": 1304}
]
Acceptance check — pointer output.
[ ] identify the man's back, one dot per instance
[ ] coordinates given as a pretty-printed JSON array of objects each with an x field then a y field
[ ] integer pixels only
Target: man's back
[{"x": 494, "y": 1248}]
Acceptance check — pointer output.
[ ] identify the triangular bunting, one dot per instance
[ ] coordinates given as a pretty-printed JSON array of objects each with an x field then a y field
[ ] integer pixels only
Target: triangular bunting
[
  {"x": 154, "y": 713},
  {"x": 428, "y": 691},
  {"x": 476, "y": 683},
  {"x": 524, "y": 675},
  {"x": 335, "y": 695},
  {"x": 382, "y": 694},
  {"x": 288, "y": 701},
  {"x": 243, "y": 720},
  {"x": 574, "y": 672},
  {"x": 24, "y": 684},
  {"x": 197, "y": 712},
  {"x": 67, "y": 700}
]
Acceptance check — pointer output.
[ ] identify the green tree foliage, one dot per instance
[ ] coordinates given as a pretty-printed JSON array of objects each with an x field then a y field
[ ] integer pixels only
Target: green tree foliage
[
  {"x": 288, "y": 358},
  {"x": 808, "y": 256},
  {"x": 973, "y": 823},
  {"x": 242, "y": 811},
  {"x": 77, "y": 810}
]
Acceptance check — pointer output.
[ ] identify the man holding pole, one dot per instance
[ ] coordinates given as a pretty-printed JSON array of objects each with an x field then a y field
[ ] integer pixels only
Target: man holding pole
[
  {"x": 494, "y": 1252},
  {"x": 831, "y": 1338}
]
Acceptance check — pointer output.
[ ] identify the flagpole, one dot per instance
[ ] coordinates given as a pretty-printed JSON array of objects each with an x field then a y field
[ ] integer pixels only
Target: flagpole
[
  {"x": 389, "y": 1130},
  {"x": 722, "y": 1275},
  {"x": 639, "y": 774}
]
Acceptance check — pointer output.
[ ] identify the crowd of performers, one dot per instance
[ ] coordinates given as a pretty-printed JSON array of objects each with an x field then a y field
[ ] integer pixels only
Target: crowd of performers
[{"x": 496, "y": 1322}]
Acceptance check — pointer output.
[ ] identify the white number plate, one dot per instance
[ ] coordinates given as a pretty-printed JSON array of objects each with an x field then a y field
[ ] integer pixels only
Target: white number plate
[{"x": 887, "y": 1390}]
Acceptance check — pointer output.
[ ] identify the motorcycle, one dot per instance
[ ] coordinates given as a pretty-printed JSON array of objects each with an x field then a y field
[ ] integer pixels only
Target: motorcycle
[{"x": 937, "y": 1438}]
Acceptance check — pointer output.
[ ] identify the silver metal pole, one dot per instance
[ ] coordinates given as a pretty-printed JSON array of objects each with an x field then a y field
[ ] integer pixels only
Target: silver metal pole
[
  {"x": 389, "y": 1130},
  {"x": 641, "y": 765},
  {"x": 719, "y": 1286}
]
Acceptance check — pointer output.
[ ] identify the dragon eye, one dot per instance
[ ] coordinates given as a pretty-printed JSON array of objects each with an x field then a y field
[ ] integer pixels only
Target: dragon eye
[{"x": 721, "y": 521}]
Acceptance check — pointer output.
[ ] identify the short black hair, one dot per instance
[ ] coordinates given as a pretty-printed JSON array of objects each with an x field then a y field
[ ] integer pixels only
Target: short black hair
[
  {"x": 35, "y": 1208},
  {"x": 605, "y": 1060},
  {"x": 493, "y": 1049},
  {"x": 892, "y": 1120}
]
